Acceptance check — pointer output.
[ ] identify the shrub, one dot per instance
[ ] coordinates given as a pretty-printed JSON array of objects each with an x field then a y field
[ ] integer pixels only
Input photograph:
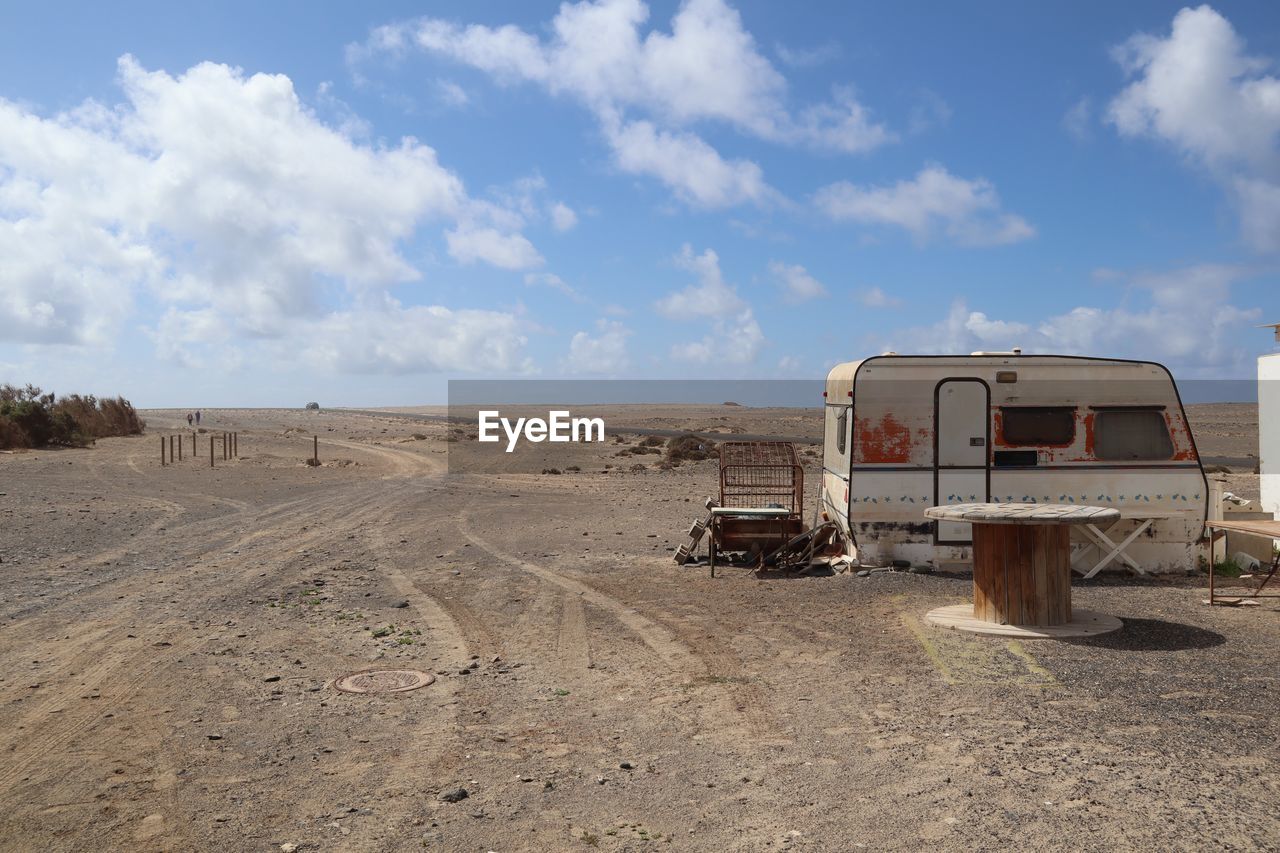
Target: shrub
[
  {"x": 31, "y": 418},
  {"x": 652, "y": 441},
  {"x": 690, "y": 448}
]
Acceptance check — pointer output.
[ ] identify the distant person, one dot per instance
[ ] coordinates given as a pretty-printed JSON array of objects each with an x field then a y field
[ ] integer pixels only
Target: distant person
[
  {"x": 197, "y": 417},
  {"x": 189, "y": 419}
]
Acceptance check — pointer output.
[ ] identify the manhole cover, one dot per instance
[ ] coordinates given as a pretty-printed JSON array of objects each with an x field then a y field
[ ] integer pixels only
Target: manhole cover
[{"x": 384, "y": 681}]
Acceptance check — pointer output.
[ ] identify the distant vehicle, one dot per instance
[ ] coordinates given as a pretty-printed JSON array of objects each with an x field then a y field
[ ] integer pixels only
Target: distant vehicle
[
  {"x": 907, "y": 432},
  {"x": 313, "y": 407}
]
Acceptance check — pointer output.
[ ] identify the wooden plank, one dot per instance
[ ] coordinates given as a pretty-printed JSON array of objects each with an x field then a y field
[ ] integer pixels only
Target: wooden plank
[
  {"x": 1045, "y": 589},
  {"x": 983, "y": 606},
  {"x": 1025, "y": 568},
  {"x": 1012, "y": 589},
  {"x": 1060, "y": 567}
]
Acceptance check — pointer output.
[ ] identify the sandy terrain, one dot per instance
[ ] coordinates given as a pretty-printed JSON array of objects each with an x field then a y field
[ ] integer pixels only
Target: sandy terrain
[{"x": 169, "y": 638}]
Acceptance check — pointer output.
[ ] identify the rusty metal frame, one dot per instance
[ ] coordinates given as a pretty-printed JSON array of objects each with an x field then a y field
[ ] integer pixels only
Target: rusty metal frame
[
  {"x": 1215, "y": 535},
  {"x": 754, "y": 472}
]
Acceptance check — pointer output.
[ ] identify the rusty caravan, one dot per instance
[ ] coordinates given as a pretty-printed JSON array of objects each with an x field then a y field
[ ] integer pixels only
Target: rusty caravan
[{"x": 903, "y": 433}]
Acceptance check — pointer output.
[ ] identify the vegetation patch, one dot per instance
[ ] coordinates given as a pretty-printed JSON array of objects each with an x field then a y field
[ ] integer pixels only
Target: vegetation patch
[{"x": 31, "y": 418}]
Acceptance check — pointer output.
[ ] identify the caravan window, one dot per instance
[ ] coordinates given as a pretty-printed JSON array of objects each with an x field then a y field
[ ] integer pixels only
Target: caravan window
[
  {"x": 842, "y": 429},
  {"x": 1037, "y": 426},
  {"x": 1132, "y": 434}
]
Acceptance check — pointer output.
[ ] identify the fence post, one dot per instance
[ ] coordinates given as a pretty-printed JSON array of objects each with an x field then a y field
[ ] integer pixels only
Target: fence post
[
  {"x": 210, "y": 450},
  {"x": 162, "y": 451},
  {"x": 179, "y": 448},
  {"x": 170, "y": 449},
  {"x": 235, "y": 444},
  {"x": 315, "y": 450}
]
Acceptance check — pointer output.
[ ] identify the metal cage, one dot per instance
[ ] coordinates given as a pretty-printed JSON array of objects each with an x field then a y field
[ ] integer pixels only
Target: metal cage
[{"x": 761, "y": 474}]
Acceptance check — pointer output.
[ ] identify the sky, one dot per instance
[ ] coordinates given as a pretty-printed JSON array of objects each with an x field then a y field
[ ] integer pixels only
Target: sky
[{"x": 271, "y": 203}]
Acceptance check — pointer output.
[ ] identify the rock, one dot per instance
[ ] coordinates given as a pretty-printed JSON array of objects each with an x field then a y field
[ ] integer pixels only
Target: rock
[
  {"x": 271, "y": 679},
  {"x": 288, "y": 848},
  {"x": 863, "y": 573},
  {"x": 214, "y": 736},
  {"x": 402, "y": 604},
  {"x": 453, "y": 795},
  {"x": 627, "y": 765}
]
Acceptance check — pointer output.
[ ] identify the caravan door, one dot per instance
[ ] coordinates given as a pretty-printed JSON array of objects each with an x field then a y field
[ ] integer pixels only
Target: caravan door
[{"x": 962, "y": 439}]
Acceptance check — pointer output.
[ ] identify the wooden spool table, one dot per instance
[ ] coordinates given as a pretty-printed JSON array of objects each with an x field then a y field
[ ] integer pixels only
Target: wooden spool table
[{"x": 1022, "y": 570}]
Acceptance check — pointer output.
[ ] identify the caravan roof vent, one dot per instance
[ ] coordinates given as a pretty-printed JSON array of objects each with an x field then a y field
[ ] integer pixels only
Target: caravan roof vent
[
  {"x": 1014, "y": 351},
  {"x": 888, "y": 352}
]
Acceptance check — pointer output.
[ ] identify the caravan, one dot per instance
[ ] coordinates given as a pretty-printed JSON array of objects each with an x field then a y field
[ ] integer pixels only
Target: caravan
[{"x": 904, "y": 433}]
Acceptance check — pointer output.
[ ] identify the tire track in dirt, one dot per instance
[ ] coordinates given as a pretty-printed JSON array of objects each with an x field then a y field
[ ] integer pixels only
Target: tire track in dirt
[
  {"x": 142, "y": 663},
  {"x": 705, "y": 662},
  {"x": 673, "y": 653},
  {"x": 573, "y": 644}
]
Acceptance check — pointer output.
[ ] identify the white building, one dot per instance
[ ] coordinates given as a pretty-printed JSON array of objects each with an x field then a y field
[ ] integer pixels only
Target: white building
[{"x": 1269, "y": 426}]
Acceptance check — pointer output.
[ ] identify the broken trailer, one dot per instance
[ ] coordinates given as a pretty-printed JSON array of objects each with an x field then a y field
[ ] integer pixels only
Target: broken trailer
[{"x": 904, "y": 433}]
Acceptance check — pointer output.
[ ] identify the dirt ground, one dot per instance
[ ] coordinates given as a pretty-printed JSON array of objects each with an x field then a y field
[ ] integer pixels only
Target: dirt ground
[{"x": 169, "y": 639}]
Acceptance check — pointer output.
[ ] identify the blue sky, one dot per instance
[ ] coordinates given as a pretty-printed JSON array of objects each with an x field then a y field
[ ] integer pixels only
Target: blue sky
[{"x": 260, "y": 204}]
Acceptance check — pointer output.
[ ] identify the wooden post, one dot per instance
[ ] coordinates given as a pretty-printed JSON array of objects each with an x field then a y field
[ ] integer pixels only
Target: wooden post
[
  {"x": 235, "y": 443},
  {"x": 315, "y": 450},
  {"x": 210, "y": 450},
  {"x": 170, "y": 449},
  {"x": 162, "y": 451},
  {"x": 179, "y": 448}
]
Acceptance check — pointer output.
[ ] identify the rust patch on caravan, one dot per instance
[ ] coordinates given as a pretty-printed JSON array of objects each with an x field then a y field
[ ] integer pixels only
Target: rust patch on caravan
[
  {"x": 1090, "y": 437},
  {"x": 1180, "y": 433},
  {"x": 886, "y": 441}
]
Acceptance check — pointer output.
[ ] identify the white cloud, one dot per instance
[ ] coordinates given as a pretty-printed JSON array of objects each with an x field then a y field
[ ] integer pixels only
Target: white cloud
[
  {"x": 605, "y": 352},
  {"x": 733, "y": 340},
  {"x": 691, "y": 168},
  {"x": 562, "y": 217},
  {"x": 1078, "y": 120},
  {"x": 223, "y": 197},
  {"x": 735, "y": 336},
  {"x": 789, "y": 364},
  {"x": 934, "y": 202},
  {"x": 707, "y": 68},
  {"x": 182, "y": 334},
  {"x": 1198, "y": 90},
  {"x": 797, "y": 284},
  {"x": 874, "y": 297},
  {"x": 807, "y": 57},
  {"x": 507, "y": 251},
  {"x": 553, "y": 281},
  {"x": 416, "y": 339},
  {"x": 710, "y": 297},
  {"x": 929, "y": 111},
  {"x": 1187, "y": 322},
  {"x": 451, "y": 94}
]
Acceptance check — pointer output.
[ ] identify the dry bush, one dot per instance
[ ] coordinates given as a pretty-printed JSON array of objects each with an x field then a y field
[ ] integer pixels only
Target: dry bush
[
  {"x": 32, "y": 418},
  {"x": 653, "y": 441},
  {"x": 11, "y": 435},
  {"x": 690, "y": 448}
]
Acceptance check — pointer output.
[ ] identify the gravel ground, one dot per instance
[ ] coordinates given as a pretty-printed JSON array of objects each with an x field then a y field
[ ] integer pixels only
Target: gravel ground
[{"x": 169, "y": 638}]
